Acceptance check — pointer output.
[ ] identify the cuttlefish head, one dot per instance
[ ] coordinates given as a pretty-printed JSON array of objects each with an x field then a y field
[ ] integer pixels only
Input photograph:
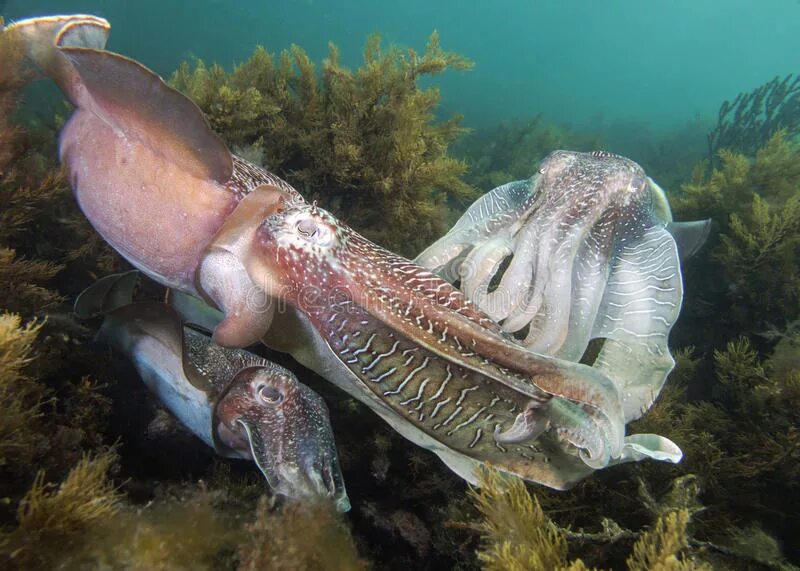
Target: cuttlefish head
[
  {"x": 305, "y": 245},
  {"x": 581, "y": 208},
  {"x": 586, "y": 185},
  {"x": 282, "y": 425},
  {"x": 290, "y": 250}
]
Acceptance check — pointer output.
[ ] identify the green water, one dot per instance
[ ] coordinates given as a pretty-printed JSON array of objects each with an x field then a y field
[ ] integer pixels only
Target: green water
[{"x": 586, "y": 63}]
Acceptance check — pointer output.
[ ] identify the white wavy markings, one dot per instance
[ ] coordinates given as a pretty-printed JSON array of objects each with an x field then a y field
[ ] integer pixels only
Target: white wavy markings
[{"x": 640, "y": 305}]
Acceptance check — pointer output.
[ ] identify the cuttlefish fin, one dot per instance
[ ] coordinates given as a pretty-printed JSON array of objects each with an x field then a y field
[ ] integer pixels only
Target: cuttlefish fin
[
  {"x": 151, "y": 336},
  {"x": 69, "y": 50},
  {"x": 137, "y": 101},
  {"x": 194, "y": 311},
  {"x": 31, "y": 47},
  {"x": 641, "y": 302},
  {"x": 641, "y": 446},
  {"x": 106, "y": 294},
  {"x": 135, "y": 140},
  {"x": 689, "y": 236},
  {"x": 125, "y": 325}
]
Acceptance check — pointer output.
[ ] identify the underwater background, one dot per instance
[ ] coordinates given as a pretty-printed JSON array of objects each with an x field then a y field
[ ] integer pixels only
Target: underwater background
[{"x": 701, "y": 94}]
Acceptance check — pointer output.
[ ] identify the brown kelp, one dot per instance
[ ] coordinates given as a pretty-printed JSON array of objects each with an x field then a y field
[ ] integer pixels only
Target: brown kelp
[
  {"x": 363, "y": 142},
  {"x": 517, "y": 535}
]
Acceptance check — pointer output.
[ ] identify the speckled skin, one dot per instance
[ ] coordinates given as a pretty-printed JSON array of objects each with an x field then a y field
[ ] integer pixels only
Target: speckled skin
[{"x": 238, "y": 403}]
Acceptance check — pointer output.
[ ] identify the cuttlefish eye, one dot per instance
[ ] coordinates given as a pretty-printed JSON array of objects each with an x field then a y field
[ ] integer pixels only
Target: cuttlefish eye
[
  {"x": 314, "y": 230},
  {"x": 269, "y": 394},
  {"x": 556, "y": 162},
  {"x": 637, "y": 184},
  {"x": 307, "y": 228}
]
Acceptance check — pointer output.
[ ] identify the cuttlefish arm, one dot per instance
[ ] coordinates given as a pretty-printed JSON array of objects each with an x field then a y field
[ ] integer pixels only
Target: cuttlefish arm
[
  {"x": 494, "y": 218},
  {"x": 241, "y": 405}
]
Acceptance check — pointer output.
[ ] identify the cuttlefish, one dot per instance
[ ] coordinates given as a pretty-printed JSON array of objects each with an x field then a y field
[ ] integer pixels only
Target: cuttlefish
[
  {"x": 166, "y": 193},
  {"x": 585, "y": 249},
  {"x": 239, "y": 404}
]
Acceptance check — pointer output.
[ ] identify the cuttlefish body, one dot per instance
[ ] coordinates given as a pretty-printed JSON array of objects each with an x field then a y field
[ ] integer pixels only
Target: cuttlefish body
[
  {"x": 238, "y": 403},
  {"x": 167, "y": 194}
]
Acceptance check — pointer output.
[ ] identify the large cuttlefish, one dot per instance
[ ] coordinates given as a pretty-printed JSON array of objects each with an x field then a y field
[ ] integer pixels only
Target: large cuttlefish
[
  {"x": 586, "y": 249},
  {"x": 166, "y": 193},
  {"x": 238, "y": 403}
]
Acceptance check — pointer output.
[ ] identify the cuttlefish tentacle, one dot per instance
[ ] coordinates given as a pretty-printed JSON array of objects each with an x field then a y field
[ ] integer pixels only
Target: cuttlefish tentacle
[
  {"x": 481, "y": 264},
  {"x": 575, "y": 426},
  {"x": 241, "y": 405},
  {"x": 496, "y": 211},
  {"x": 528, "y": 425}
]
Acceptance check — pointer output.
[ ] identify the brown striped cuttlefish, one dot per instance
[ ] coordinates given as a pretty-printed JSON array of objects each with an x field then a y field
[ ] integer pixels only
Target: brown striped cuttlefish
[{"x": 167, "y": 194}]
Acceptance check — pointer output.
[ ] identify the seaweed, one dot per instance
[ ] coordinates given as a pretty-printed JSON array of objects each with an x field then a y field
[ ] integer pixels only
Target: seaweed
[
  {"x": 20, "y": 396},
  {"x": 745, "y": 124},
  {"x": 22, "y": 283},
  {"x": 190, "y": 527},
  {"x": 52, "y": 518},
  {"x": 300, "y": 537},
  {"x": 657, "y": 549},
  {"x": 759, "y": 258},
  {"x": 364, "y": 142},
  {"x": 742, "y": 442},
  {"x": 517, "y": 534},
  {"x": 754, "y": 248},
  {"x": 52, "y": 411}
]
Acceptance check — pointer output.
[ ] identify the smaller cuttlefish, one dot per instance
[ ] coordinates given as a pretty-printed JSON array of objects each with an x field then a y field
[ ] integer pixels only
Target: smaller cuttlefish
[{"x": 240, "y": 404}]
